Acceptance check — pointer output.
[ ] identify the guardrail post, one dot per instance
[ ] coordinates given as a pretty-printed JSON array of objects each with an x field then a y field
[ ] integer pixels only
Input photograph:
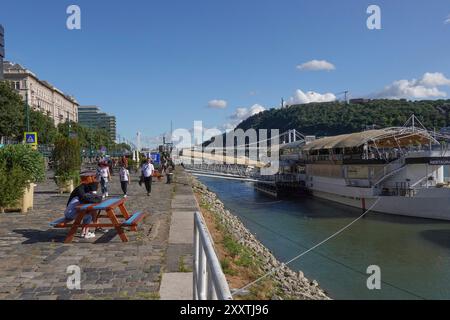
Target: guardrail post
[
  {"x": 196, "y": 253},
  {"x": 209, "y": 280},
  {"x": 202, "y": 274}
]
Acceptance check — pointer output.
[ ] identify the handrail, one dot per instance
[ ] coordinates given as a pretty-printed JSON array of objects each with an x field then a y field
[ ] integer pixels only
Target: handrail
[
  {"x": 209, "y": 280},
  {"x": 388, "y": 170}
]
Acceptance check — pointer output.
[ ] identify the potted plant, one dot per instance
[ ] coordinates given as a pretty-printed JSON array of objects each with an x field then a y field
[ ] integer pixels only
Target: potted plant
[
  {"x": 20, "y": 168},
  {"x": 133, "y": 165},
  {"x": 67, "y": 163}
]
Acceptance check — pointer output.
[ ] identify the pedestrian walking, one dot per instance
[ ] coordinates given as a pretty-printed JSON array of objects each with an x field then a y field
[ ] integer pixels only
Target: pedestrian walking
[
  {"x": 124, "y": 179},
  {"x": 125, "y": 162},
  {"x": 104, "y": 175},
  {"x": 147, "y": 173},
  {"x": 110, "y": 163},
  {"x": 169, "y": 175}
]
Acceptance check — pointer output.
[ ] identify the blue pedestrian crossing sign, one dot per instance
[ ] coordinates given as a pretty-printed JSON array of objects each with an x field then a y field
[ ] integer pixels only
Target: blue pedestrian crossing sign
[
  {"x": 156, "y": 158},
  {"x": 31, "y": 138}
]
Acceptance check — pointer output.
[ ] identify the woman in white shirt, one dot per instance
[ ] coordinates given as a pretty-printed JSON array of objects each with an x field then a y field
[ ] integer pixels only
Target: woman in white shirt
[
  {"x": 104, "y": 176},
  {"x": 124, "y": 179}
]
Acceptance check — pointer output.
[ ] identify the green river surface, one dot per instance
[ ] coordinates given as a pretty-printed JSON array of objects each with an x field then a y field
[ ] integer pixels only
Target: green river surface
[{"x": 413, "y": 254}]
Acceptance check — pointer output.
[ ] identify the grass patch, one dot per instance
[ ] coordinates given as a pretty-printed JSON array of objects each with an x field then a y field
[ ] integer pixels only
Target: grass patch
[
  {"x": 182, "y": 266},
  {"x": 124, "y": 295},
  {"x": 245, "y": 259},
  {"x": 232, "y": 246},
  {"x": 148, "y": 295},
  {"x": 226, "y": 267},
  {"x": 239, "y": 263}
]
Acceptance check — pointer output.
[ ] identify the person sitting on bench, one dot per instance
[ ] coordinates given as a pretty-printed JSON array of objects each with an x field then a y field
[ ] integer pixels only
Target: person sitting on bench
[{"x": 83, "y": 194}]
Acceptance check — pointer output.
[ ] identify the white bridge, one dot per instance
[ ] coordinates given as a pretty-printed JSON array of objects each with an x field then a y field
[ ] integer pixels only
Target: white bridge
[{"x": 221, "y": 165}]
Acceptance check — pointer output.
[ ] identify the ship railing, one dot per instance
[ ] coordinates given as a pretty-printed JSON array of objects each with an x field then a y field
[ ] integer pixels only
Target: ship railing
[
  {"x": 399, "y": 192},
  {"x": 209, "y": 280},
  {"x": 270, "y": 178},
  {"x": 388, "y": 170},
  {"x": 287, "y": 178}
]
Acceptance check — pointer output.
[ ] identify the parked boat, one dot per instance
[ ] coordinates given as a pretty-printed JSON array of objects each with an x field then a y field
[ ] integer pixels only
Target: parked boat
[{"x": 398, "y": 170}]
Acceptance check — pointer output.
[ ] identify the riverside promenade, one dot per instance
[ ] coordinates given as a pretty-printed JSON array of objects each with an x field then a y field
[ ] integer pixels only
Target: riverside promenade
[{"x": 34, "y": 259}]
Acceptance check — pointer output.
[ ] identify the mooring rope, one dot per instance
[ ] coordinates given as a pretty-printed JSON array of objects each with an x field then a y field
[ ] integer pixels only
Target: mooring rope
[
  {"x": 330, "y": 258},
  {"x": 308, "y": 251}
]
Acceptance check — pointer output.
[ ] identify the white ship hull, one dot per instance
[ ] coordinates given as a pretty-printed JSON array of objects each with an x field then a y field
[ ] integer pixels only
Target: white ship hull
[
  {"x": 397, "y": 170},
  {"x": 420, "y": 206}
]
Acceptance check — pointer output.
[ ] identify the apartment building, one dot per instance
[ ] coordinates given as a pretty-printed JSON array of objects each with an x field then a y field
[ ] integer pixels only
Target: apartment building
[
  {"x": 93, "y": 117},
  {"x": 40, "y": 94}
]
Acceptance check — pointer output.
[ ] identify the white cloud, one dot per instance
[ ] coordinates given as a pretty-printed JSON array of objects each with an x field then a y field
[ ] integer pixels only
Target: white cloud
[
  {"x": 244, "y": 113},
  {"x": 434, "y": 80},
  {"x": 447, "y": 21},
  {"x": 217, "y": 104},
  {"x": 316, "y": 65},
  {"x": 426, "y": 87},
  {"x": 301, "y": 97},
  {"x": 228, "y": 126},
  {"x": 240, "y": 115}
]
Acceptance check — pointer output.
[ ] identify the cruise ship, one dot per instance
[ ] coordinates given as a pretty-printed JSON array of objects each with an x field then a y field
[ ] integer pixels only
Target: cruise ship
[{"x": 397, "y": 170}]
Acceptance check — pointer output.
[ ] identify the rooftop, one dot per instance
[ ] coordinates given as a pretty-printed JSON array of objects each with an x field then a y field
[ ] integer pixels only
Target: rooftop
[
  {"x": 15, "y": 68},
  {"x": 383, "y": 138}
]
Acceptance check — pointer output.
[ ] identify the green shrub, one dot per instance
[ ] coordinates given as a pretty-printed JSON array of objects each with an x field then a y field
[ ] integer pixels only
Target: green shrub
[
  {"x": 245, "y": 258},
  {"x": 232, "y": 246},
  {"x": 226, "y": 267},
  {"x": 13, "y": 181},
  {"x": 67, "y": 159},
  {"x": 23, "y": 156},
  {"x": 132, "y": 164}
]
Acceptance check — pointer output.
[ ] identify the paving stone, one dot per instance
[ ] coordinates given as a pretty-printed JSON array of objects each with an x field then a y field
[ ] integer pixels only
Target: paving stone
[{"x": 34, "y": 259}]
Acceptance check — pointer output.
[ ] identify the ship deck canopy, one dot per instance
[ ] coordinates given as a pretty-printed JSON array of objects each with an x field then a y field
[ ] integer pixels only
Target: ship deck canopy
[{"x": 384, "y": 138}]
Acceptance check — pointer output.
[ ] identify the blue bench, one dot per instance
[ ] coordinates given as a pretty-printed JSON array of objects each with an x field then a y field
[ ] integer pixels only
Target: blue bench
[{"x": 134, "y": 219}]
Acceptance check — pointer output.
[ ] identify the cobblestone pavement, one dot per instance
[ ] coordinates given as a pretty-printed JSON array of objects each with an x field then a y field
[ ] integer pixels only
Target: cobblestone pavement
[{"x": 34, "y": 259}]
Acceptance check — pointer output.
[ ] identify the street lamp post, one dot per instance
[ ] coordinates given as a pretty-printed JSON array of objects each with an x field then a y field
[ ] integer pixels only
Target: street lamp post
[
  {"x": 27, "y": 111},
  {"x": 68, "y": 126}
]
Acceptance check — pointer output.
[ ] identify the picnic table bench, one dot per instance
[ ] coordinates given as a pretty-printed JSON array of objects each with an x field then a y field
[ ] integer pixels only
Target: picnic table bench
[{"x": 108, "y": 206}]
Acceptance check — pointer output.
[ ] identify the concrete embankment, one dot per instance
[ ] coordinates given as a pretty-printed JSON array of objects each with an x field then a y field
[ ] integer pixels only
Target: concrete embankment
[
  {"x": 286, "y": 284},
  {"x": 177, "y": 279}
]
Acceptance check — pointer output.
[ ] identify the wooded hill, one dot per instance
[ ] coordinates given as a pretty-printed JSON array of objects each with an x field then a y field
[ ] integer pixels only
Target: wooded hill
[{"x": 333, "y": 118}]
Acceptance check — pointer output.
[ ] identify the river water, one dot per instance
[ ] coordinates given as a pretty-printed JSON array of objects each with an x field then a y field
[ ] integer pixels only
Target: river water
[{"x": 413, "y": 254}]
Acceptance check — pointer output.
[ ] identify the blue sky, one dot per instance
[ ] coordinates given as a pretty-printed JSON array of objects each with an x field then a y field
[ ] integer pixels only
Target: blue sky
[{"x": 150, "y": 62}]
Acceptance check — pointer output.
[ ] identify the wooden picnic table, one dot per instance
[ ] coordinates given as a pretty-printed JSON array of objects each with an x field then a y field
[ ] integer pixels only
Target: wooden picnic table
[{"x": 105, "y": 209}]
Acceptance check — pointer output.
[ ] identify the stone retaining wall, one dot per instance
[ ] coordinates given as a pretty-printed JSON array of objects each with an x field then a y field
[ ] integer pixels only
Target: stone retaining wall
[{"x": 294, "y": 285}]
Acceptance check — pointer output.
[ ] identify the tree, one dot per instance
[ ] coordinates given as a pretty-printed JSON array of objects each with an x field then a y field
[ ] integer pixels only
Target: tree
[
  {"x": 333, "y": 118},
  {"x": 44, "y": 126},
  {"x": 11, "y": 112},
  {"x": 91, "y": 139},
  {"x": 23, "y": 156},
  {"x": 87, "y": 137},
  {"x": 67, "y": 158}
]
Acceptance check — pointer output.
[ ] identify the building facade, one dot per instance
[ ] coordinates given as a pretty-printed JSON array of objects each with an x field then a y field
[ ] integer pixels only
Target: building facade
[
  {"x": 41, "y": 95},
  {"x": 93, "y": 117}
]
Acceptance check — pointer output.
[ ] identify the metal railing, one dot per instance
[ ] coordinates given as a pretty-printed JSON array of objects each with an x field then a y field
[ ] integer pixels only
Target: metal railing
[
  {"x": 388, "y": 170},
  {"x": 230, "y": 169},
  {"x": 209, "y": 280}
]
